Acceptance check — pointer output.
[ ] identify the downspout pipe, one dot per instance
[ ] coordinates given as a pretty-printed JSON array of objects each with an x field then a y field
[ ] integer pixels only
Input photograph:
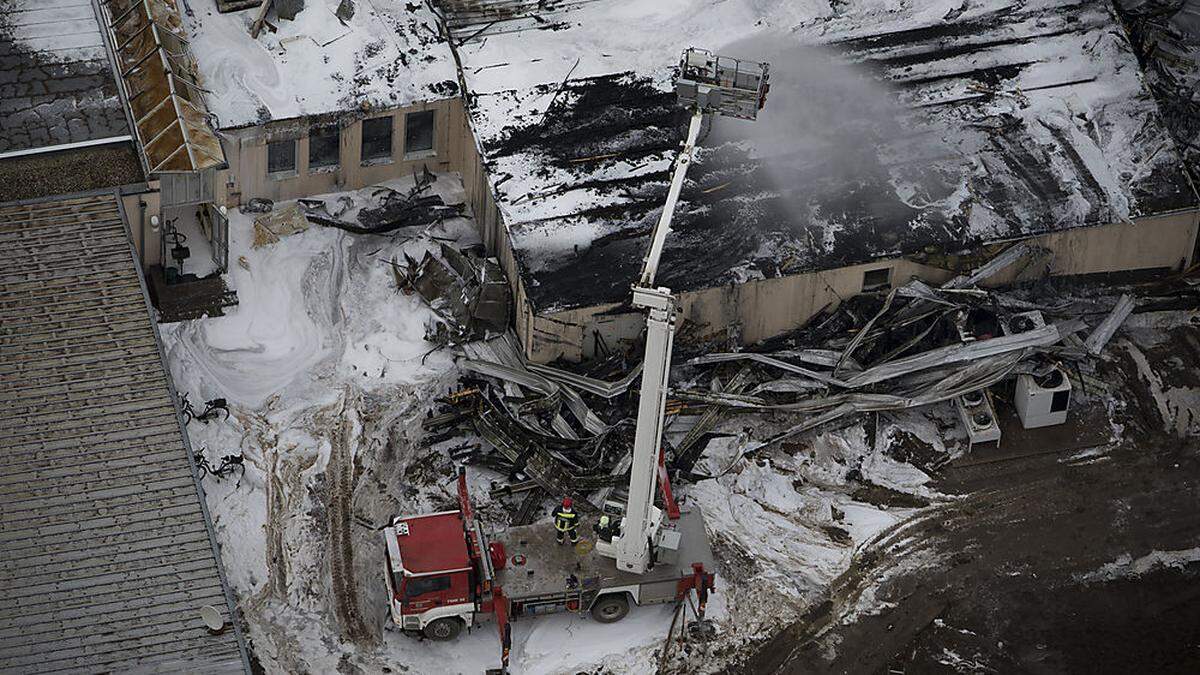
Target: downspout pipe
[{"x": 142, "y": 232}]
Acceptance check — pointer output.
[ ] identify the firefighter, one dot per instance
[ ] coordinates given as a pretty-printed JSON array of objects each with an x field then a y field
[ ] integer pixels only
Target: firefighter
[
  {"x": 604, "y": 528},
  {"x": 566, "y": 522}
]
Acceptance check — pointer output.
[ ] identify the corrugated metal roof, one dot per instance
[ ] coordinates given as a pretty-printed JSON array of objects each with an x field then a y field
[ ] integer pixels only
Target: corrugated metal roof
[{"x": 106, "y": 554}]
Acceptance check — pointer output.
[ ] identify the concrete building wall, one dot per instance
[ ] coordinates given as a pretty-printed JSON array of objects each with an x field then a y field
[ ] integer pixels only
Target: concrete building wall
[
  {"x": 247, "y": 176},
  {"x": 749, "y": 312},
  {"x": 246, "y": 153},
  {"x": 1155, "y": 242},
  {"x": 494, "y": 233},
  {"x": 145, "y": 237},
  {"x": 761, "y": 309}
]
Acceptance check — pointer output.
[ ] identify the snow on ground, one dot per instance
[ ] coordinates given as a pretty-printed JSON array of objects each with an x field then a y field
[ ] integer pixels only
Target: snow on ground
[
  {"x": 789, "y": 524},
  {"x": 328, "y": 376},
  {"x": 1126, "y": 566},
  {"x": 1179, "y": 407}
]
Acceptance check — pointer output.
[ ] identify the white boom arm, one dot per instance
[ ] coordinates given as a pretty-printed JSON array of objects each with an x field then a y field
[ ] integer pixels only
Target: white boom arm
[
  {"x": 708, "y": 84},
  {"x": 663, "y": 227},
  {"x": 643, "y": 520}
]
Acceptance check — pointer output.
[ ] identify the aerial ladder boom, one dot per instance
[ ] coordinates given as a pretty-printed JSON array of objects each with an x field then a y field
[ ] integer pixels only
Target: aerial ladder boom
[{"x": 707, "y": 84}]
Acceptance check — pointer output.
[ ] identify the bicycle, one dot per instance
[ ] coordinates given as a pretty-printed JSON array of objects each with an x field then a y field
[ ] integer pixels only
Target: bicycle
[
  {"x": 229, "y": 464},
  {"x": 212, "y": 410}
]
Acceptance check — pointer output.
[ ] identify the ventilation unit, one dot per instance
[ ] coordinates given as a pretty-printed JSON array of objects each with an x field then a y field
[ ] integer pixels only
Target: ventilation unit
[
  {"x": 979, "y": 418},
  {"x": 1024, "y": 322},
  {"x": 1043, "y": 401}
]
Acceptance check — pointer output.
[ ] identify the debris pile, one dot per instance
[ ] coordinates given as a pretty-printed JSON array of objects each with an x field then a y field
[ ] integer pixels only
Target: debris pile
[
  {"x": 470, "y": 296},
  {"x": 1166, "y": 38},
  {"x": 393, "y": 210},
  {"x": 387, "y": 210},
  {"x": 556, "y": 431},
  {"x": 272, "y": 225}
]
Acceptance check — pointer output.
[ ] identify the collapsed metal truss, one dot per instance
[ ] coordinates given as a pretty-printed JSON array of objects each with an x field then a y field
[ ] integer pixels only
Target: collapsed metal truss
[
  {"x": 469, "y": 20},
  {"x": 916, "y": 350},
  {"x": 159, "y": 82}
]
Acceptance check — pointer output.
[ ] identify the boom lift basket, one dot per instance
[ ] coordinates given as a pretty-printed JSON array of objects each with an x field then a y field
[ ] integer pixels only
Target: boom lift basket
[{"x": 721, "y": 84}]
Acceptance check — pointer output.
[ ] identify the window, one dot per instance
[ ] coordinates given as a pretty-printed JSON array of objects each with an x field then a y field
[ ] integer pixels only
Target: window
[
  {"x": 418, "y": 132},
  {"x": 417, "y": 586},
  {"x": 376, "y": 139},
  {"x": 323, "y": 148},
  {"x": 281, "y": 157},
  {"x": 874, "y": 280}
]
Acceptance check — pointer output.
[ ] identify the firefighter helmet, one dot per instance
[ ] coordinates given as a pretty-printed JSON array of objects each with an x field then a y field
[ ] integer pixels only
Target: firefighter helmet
[{"x": 568, "y": 502}]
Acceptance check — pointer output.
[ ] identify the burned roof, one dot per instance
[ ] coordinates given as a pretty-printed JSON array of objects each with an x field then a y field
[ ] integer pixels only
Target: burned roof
[
  {"x": 388, "y": 53},
  {"x": 888, "y": 129},
  {"x": 56, "y": 84},
  {"x": 1166, "y": 36}
]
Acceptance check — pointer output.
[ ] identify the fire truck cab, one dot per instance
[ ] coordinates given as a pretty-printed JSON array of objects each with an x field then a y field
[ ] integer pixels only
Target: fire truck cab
[{"x": 432, "y": 578}]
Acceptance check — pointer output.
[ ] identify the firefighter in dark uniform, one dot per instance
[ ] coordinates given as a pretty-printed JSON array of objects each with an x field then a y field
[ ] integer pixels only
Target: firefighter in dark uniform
[{"x": 566, "y": 522}]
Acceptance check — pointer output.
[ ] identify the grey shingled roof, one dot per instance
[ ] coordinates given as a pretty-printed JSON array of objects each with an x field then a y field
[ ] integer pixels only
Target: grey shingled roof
[
  {"x": 56, "y": 82},
  {"x": 106, "y": 554}
]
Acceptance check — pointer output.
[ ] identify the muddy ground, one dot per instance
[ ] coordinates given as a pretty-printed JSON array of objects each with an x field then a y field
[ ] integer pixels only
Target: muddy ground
[{"x": 1034, "y": 566}]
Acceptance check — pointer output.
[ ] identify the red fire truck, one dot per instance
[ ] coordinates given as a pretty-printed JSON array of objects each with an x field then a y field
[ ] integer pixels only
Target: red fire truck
[{"x": 445, "y": 573}]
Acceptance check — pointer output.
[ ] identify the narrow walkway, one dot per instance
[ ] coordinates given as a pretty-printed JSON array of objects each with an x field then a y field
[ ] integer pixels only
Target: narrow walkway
[{"x": 106, "y": 554}]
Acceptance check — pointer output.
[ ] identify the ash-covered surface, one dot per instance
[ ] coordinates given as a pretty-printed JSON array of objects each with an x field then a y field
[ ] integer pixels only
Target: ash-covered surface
[
  {"x": 56, "y": 84},
  {"x": 388, "y": 54},
  {"x": 886, "y": 130},
  {"x": 1166, "y": 36}
]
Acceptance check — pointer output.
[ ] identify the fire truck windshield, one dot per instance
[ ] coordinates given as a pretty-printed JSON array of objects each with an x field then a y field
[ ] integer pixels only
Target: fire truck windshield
[{"x": 418, "y": 586}]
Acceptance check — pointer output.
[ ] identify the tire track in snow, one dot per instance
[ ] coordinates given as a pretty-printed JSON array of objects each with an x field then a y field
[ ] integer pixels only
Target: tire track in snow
[{"x": 340, "y": 473}]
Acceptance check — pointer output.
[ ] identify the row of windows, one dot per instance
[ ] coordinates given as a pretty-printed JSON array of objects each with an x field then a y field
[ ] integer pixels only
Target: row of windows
[{"x": 324, "y": 145}]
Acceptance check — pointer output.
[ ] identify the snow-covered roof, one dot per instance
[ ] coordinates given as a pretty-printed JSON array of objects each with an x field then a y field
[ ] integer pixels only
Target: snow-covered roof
[
  {"x": 389, "y": 53},
  {"x": 889, "y": 127}
]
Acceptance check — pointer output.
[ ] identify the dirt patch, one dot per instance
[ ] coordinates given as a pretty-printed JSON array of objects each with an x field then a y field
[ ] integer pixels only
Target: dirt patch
[
  {"x": 340, "y": 475},
  {"x": 869, "y": 493},
  {"x": 1008, "y": 596},
  {"x": 1178, "y": 356},
  {"x": 904, "y": 446}
]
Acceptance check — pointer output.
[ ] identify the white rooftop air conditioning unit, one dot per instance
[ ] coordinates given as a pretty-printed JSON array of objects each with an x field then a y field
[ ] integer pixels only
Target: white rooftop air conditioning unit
[
  {"x": 1043, "y": 401},
  {"x": 978, "y": 417}
]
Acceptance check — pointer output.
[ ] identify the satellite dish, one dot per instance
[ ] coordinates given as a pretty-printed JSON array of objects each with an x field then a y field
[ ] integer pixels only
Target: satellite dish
[{"x": 212, "y": 618}]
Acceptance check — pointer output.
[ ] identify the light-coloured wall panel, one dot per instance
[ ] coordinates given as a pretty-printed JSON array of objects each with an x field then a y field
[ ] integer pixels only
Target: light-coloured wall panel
[
  {"x": 768, "y": 307},
  {"x": 246, "y": 152}
]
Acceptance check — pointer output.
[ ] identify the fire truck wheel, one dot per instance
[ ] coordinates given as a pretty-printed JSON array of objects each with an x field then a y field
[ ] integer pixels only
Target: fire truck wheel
[
  {"x": 611, "y": 608},
  {"x": 443, "y": 629}
]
